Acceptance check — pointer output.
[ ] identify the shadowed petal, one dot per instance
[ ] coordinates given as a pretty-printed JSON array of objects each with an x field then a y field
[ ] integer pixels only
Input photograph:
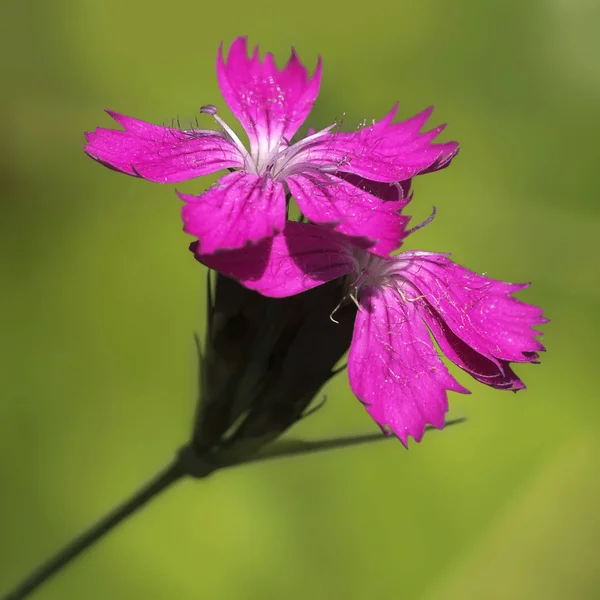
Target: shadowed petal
[
  {"x": 161, "y": 154},
  {"x": 477, "y": 309},
  {"x": 269, "y": 103},
  {"x": 384, "y": 151},
  {"x": 396, "y": 191},
  {"x": 394, "y": 369},
  {"x": 302, "y": 257},
  {"x": 240, "y": 209},
  {"x": 366, "y": 220}
]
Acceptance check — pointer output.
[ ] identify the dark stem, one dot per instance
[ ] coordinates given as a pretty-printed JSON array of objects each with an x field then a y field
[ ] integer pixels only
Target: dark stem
[
  {"x": 190, "y": 462},
  {"x": 164, "y": 479}
]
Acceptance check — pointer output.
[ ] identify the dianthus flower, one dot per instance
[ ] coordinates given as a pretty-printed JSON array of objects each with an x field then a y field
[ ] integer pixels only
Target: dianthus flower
[
  {"x": 393, "y": 366},
  {"x": 353, "y": 182}
]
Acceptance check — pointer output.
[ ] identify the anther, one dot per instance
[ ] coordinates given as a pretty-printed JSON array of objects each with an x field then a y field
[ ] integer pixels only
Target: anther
[
  {"x": 209, "y": 109},
  {"x": 327, "y": 168}
]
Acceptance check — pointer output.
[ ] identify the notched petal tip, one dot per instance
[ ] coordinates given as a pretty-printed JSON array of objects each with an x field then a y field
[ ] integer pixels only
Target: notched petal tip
[
  {"x": 187, "y": 198},
  {"x": 318, "y": 68},
  {"x": 394, "y": 368},
  {"x": 417, "y": 435},
  {"x": 270, "y": 103},
  {"x": 120, "y": 118},
  {"x": 295, "y": 62},
  {"x": 391, "y": 114},
  {"x": 386, "y": 151},
  {"x": 159, "y": 153},
  {"x": 476, "y": 321}
]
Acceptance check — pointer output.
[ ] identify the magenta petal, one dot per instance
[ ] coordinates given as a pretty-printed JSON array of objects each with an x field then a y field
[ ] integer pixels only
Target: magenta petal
[
  {"x": 366, "y": 220},
  {"x": 302, "y": 257},
  {"x": 477, "y": 309},
  {"x": 161, "y": 154},
  {"x": 385, "y": 151},
  {"x": 394, "y": 368},
  {"x": 496, "y": 374},
  {"x": 240, "y": 209},
  {"x": 269, "y": 103}
]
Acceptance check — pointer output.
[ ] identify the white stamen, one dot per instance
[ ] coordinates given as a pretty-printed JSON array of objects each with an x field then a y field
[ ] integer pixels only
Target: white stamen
[
  {"x": 210, "y": 109},
  {"x": 289, "y": 153}
]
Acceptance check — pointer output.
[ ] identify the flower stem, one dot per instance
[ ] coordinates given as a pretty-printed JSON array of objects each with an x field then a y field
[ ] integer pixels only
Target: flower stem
[
  {"x": 189, "y": 462},
  {"x": 163, "y": 480}
]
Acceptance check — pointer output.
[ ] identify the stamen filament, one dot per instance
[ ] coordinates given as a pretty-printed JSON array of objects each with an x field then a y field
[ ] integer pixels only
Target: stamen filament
[
  {"x": 211, "y": 110},
  {"x": 289, "y": 153},
  {"x": 424, "y": 223}
]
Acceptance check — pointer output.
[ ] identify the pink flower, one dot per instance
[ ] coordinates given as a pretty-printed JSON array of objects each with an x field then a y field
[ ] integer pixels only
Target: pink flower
[
  {"x": 352, "y": 182},
  {"x": 393, "y": 365}
]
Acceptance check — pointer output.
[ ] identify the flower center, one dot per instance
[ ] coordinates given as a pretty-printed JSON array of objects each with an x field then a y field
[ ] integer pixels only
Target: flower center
[
  {"x": 284, "y": 159},
  {"x": 295, "y": 158},
  {"x": 370, "y": 271}
]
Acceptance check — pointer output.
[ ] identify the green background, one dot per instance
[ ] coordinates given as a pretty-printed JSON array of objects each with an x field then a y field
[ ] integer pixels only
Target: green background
[{"x": 100, "y": 298}]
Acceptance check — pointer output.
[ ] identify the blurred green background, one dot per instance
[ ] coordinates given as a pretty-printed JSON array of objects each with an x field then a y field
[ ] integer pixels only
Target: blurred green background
[{"x": 101, "y": 297}]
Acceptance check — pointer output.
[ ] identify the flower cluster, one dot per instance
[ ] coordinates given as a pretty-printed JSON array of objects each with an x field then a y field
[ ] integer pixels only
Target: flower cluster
[{"x": 351, "y": 188}]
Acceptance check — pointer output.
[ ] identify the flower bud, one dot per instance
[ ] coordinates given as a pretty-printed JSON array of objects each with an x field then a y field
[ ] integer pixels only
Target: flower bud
[{"x": 264, "y": 362}]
